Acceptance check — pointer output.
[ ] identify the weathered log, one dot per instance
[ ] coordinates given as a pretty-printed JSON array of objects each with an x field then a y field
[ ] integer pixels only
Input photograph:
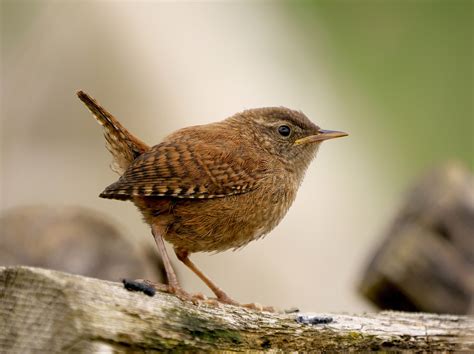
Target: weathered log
[
  {"x": 49, "y": 311},
  {"x": 426, "y": 262}
]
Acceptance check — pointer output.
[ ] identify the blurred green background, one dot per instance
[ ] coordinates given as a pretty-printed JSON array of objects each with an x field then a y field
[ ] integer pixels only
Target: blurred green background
[
  {"x": 413, "y": 61},
  {"x": 396, "y": 75}
]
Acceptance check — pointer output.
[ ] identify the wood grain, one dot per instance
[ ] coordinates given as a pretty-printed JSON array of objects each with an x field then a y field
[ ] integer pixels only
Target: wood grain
[{"x": 44, "y": 310}]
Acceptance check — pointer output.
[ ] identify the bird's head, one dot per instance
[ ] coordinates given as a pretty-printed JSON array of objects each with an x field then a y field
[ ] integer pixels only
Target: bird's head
[{"x": 286, "y": 135}]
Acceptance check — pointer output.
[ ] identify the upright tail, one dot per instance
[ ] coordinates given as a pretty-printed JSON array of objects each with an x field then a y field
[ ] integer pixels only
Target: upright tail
[{"x": 123, "y": 146}]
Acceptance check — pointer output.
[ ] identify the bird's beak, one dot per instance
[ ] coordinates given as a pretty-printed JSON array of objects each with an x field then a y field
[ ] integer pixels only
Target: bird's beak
[{"x": 323, "y": 135}]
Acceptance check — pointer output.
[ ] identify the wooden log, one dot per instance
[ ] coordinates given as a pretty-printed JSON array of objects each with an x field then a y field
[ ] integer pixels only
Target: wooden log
[
  {"x": 426, "y": 262},
  {"x": 49, "y": 311}
]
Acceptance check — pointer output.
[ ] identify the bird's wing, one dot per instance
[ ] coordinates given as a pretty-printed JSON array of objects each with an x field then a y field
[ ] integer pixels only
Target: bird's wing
[{"x": 192, "y": 166}]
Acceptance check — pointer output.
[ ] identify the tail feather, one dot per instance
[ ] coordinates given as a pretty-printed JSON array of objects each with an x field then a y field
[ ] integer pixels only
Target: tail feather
[{"x": 122, "y": 144}]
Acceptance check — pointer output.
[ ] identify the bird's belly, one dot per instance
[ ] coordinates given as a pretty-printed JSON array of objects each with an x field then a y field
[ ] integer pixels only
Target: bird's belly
[{"x": 225, "y": 223}]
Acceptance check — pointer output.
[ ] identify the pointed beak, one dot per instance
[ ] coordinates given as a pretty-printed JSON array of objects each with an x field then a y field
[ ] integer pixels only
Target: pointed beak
[{"x": 323, "y": 135}]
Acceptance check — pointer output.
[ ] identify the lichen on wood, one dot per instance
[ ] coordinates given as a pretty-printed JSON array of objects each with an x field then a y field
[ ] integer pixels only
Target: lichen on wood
[{"x": 45, "y": 310}]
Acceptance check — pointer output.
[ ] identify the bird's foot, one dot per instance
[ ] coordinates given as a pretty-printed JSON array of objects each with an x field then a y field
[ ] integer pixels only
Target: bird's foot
[
  {"x": 225, "y": 299},
  {"x": 156, "y": 286},
  {"x": 258, "y": 307},
  {"x": 148, "y": 287},
  {"x": 185, "y": 296}
]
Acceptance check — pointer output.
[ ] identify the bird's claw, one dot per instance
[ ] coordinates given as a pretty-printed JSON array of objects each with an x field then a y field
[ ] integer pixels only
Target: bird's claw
[
  {"x": 174, "y": 290},
  {"x": 258, "y": 307},
  {"x": 200, "y": 298},
  {"x": 252, "y": 306}
]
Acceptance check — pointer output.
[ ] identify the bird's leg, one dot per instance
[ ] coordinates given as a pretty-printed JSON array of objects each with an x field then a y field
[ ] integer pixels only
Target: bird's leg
[
  {"x": 170, "y": 274},
  {"x": 173, "y": 286},
  {"x": 183, "y": 256}
]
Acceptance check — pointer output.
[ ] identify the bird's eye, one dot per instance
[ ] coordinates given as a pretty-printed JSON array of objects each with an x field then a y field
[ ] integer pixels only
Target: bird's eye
[{"x": 284, "y": 130}]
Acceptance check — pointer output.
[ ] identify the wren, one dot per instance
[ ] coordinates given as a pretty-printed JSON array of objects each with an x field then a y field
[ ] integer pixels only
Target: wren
[{"x": 212, "y": 187}]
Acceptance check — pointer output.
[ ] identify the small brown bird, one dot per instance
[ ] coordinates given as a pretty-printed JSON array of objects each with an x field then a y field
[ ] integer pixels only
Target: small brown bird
[{"x": 212, "y": 187}]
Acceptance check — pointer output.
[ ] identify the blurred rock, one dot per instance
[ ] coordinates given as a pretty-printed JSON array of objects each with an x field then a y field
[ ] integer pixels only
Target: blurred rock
[
  {"x": 73, "y": 239},
  {"x": 426, "y": 262}
]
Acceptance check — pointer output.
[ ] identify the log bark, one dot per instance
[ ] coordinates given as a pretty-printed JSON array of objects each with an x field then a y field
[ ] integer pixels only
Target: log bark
[{"x": 49, "y": 311}]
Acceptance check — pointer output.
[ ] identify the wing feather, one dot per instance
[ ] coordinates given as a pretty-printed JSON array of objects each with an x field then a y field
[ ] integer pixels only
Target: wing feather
[{"x": 196, "y": 162}]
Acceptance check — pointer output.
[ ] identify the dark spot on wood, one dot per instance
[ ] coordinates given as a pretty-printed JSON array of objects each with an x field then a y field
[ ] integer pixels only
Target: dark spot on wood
[
  {"x": 266, "y": 344},
  {"x": 133, "y": 285},
  {"x": 387, "y": 344},
  {"x": 313, "y": 320}
]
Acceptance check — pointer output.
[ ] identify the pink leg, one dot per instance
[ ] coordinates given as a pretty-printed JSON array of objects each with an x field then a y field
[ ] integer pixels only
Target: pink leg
[
  {"x": 183, "y": 256},
  {"x": 170, "y": 274}
]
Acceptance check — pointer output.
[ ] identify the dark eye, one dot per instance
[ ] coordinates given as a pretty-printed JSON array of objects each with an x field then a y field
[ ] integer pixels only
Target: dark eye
[{"x": 284, "y": 130}]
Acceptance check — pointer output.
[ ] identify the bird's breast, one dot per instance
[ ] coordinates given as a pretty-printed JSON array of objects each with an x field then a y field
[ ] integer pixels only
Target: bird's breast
[{"x": 228, "y": 223}]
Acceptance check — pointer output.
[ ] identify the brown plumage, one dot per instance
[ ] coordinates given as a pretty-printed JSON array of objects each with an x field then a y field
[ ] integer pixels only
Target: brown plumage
[
  {"x": 123, "y": 146},
  {"x": 213, "y": 187}
]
